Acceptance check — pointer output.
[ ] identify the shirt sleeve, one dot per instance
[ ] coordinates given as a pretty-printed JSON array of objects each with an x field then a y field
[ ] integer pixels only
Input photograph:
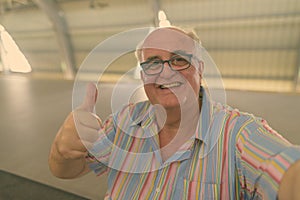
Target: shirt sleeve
[
  {"x": 262, "y": 157},
  {"x": 99, "y": 154}
]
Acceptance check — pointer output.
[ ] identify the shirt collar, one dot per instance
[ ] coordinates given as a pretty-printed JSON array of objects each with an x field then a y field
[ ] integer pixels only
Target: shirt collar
[
  {"x": 205, "y": 116},
  {"x": 145, "y": 117}
]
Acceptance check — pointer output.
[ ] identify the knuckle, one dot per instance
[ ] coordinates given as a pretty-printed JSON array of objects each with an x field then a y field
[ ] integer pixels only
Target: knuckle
[{"x": 63, "y": 151}]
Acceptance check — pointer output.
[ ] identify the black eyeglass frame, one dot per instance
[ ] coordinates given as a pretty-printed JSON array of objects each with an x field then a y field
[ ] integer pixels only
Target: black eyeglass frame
[{"x": 162, "y": 63}]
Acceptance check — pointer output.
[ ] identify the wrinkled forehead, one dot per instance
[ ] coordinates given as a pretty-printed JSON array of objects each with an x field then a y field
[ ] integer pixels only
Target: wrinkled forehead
[{"x": 170, "y": 40}]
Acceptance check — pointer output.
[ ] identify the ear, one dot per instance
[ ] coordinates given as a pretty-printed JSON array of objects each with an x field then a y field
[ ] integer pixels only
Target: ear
[
  {"x": 142, "y": 75},
  {"x": 201, "y": 66}
]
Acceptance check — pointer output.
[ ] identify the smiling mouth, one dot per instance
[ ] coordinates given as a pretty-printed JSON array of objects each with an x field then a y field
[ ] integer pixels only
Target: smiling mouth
[{"x": 169, "y": 85}]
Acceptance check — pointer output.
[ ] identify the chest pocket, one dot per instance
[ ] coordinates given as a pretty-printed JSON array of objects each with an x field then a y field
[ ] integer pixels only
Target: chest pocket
[
  {"x": 195, "y": 190},
  {"x": 195, "y": 186}
]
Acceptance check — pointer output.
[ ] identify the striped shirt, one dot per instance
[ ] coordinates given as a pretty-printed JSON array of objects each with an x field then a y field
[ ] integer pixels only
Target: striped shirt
[{"x": 232, "y": 155}]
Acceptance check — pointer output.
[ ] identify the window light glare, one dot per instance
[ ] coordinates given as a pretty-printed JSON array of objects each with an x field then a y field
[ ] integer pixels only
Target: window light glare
[
  {"x": 163, "y": 21},
  {"x": 162, "y": 15},
  {"x": 12, "y": 58}
]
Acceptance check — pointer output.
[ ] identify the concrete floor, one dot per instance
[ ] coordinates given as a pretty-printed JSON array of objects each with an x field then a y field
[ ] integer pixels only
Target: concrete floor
[{"x": 33, "y": 109}]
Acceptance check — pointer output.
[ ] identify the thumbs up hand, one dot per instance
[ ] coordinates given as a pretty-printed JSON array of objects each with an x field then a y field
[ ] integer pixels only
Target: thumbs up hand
[{"x": 80, "y": 129}]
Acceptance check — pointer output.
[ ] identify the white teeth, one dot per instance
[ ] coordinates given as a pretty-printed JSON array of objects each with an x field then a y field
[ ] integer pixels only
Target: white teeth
[{"x": 170, "y": 85}]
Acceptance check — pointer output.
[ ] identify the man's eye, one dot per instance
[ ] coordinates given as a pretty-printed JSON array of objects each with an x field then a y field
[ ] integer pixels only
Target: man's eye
[{"x": 179, "y": 61}]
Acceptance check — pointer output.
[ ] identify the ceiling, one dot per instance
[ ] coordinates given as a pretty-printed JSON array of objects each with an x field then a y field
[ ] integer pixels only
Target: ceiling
[{"x": 255, "y": 43}]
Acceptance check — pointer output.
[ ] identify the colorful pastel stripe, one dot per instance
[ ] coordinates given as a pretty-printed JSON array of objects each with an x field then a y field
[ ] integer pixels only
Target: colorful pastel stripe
[{"x": 232, "y": 155}]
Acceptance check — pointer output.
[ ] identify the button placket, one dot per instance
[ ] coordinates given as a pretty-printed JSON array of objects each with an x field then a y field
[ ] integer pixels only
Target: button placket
[{"x": 158, "y": 184}]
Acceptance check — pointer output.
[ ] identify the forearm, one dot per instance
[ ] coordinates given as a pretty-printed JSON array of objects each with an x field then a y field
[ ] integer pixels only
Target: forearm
[
  {"x": 66, "y": 168},
  {"x": 290, "y": 184}
]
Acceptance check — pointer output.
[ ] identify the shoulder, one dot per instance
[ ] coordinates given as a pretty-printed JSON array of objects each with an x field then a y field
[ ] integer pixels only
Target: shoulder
[{"x": 247, "y": 125}]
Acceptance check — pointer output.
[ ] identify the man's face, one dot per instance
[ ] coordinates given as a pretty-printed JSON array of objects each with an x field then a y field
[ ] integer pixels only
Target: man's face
[{"x": 171, "y": 88}]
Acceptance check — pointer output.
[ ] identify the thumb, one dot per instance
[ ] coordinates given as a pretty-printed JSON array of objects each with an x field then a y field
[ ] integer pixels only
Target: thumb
[{"x": 90, "y": 98}]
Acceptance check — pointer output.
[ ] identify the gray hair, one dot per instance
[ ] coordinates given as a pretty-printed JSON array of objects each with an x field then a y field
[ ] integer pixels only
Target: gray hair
[{"x": 191, "y": 33}]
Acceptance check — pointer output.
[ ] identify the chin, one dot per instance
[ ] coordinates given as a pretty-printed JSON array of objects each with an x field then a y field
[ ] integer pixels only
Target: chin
[
  {"x": 167, "y": 100},
  {"x": 169, "y": 103},
  {"x": 170, "y": 106}
]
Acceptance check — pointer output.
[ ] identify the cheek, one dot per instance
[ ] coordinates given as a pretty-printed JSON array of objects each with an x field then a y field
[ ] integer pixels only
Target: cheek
[
  {"x": 194, "y": 78},
  {"x": 149, "y": 90},
  {"x": 148, "y": 79},
  {"x": 196, "y": 84},
  {"x": 197, "y": 79},
  {"x": 150, "y": 93}
]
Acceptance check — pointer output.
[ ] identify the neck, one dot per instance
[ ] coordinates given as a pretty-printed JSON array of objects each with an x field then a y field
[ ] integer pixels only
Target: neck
[{"x": 178, "y": 120}]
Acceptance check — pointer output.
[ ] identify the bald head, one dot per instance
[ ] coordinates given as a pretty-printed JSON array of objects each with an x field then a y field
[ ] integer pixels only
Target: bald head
[{"x": 171, "y": 39}]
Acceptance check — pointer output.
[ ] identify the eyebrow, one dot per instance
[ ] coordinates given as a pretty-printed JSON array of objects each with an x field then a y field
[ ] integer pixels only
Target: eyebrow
[
  {"x": 176, "y": 52},
  {"x": 152, "y": 58},
  {"x": 180, "y": 52}
]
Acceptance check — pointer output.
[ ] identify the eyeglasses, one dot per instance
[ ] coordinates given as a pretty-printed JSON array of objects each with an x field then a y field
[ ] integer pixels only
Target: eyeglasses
[{"x": 176, "y": 63}]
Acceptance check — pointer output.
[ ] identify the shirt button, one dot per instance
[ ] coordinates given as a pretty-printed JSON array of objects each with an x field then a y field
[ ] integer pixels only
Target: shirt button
[{"x": 157, "y": 190}]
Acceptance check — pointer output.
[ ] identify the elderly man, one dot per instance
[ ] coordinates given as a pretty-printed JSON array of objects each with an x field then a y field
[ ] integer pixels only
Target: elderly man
[{"x": 180, "y": 144}]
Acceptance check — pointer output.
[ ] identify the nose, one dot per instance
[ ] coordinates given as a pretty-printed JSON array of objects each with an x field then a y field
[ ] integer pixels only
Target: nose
[{"x": 167, "y": 72}]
